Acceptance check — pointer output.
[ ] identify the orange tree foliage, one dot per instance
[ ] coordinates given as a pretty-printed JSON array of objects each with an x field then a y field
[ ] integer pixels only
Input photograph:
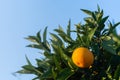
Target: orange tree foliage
[{"x": 95, "y": 34}]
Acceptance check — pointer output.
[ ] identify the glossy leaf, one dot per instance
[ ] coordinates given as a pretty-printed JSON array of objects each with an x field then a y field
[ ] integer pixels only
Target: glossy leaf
[
  {"x": 33, "y": 39},
  {"x": 91, "y": 33},
  {"x": 45, "y": 35},
  {"x": 112, "y": 27},
  {"x": 56, "y": 39},
  {"x": 32, "y": 69},
  {"x": 39, "y": 36},
  {"x": 35, "y": 46},
  {"x": 24, "y": 71}
]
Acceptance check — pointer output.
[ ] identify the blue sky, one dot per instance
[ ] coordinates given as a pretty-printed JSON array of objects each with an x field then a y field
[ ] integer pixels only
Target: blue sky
[{"x": 20, "y": 18}]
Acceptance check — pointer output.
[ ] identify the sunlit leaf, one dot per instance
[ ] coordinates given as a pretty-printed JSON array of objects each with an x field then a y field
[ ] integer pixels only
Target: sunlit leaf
[
  {"x": 42, "y": 65},
  {"x": 33, "y": 39},
  {"x": 35, "y": 46},
  {"x": 45, "y": 35},
  {"x": 39, "y": 36},
  {"x": 24, "y": 71},
  {"x": 91, "y": 33},
  {"x": 56, "y": 39}
]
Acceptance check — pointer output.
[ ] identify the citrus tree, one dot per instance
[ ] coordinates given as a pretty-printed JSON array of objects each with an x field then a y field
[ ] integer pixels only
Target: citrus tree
[{"x": 91, "y": 51}]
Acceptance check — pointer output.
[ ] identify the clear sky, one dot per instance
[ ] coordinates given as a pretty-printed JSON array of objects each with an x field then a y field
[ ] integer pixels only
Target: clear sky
[{"x": 20, "y": 18}]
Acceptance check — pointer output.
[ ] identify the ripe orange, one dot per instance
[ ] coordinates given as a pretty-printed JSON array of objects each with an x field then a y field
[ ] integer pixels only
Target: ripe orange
[{"x": 82, "y": 57}]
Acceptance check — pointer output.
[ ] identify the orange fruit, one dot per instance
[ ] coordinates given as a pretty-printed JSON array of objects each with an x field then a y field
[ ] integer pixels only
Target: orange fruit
[{"x": 82, "y": 57}]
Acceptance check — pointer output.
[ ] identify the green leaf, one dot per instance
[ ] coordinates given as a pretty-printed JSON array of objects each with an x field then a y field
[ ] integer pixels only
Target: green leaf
[
  {"x": 44, "y": 35},
  {"x": 115, "y": 25},
  {"x": 28, "y": 67},
  {"x": 47, "y": 74},
  {"x": 24, "y": 71},
  {"x": 57, "y": 62},
  {"x": 47, "y": 46},
  {"x": 103, "y": 20},
  {"x": 108, "y": 72},
  {"x": 90, "y": 22},
  {"x": 55, "y": 47},
  {"x": 108, "y": 45},
  {"x": 54, "y": 73},
  {"x": 56, "y": 40},
  {"x": 117, "y": 73},
  {"x": 102, "y": 23},
  {"x": 59, "y": 30},
  {"x": 32, "y": 69},
  {"x": 48, "y": 55},
  {"x": 35, "y": 46},
  {"x": 64, "y": 74},
  {"x": 28, "y": 61},
  {"x": 38, "y": 36},
  {"x": 94, "y": 16},
  {"x": 67, "y": 60},
  {"x": 99, "y": 15},
  {"x": 87, "y": 12},
  {"x": 112, "y": 27},
  {"x": 80, "y": 40},
  {"x": 98, "y": 7},
  {"x": 42, "y": 65},
  {"x": 115, "y": 36},
  {"x": 116, "y": 60},
  {"x": 68, "y": 28},
  {"x": 64, "y": 36},
  {"x": 33, "y": 39},
  {"x": 63, "y": 55},
  {"x": 91, "y": 33}
]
